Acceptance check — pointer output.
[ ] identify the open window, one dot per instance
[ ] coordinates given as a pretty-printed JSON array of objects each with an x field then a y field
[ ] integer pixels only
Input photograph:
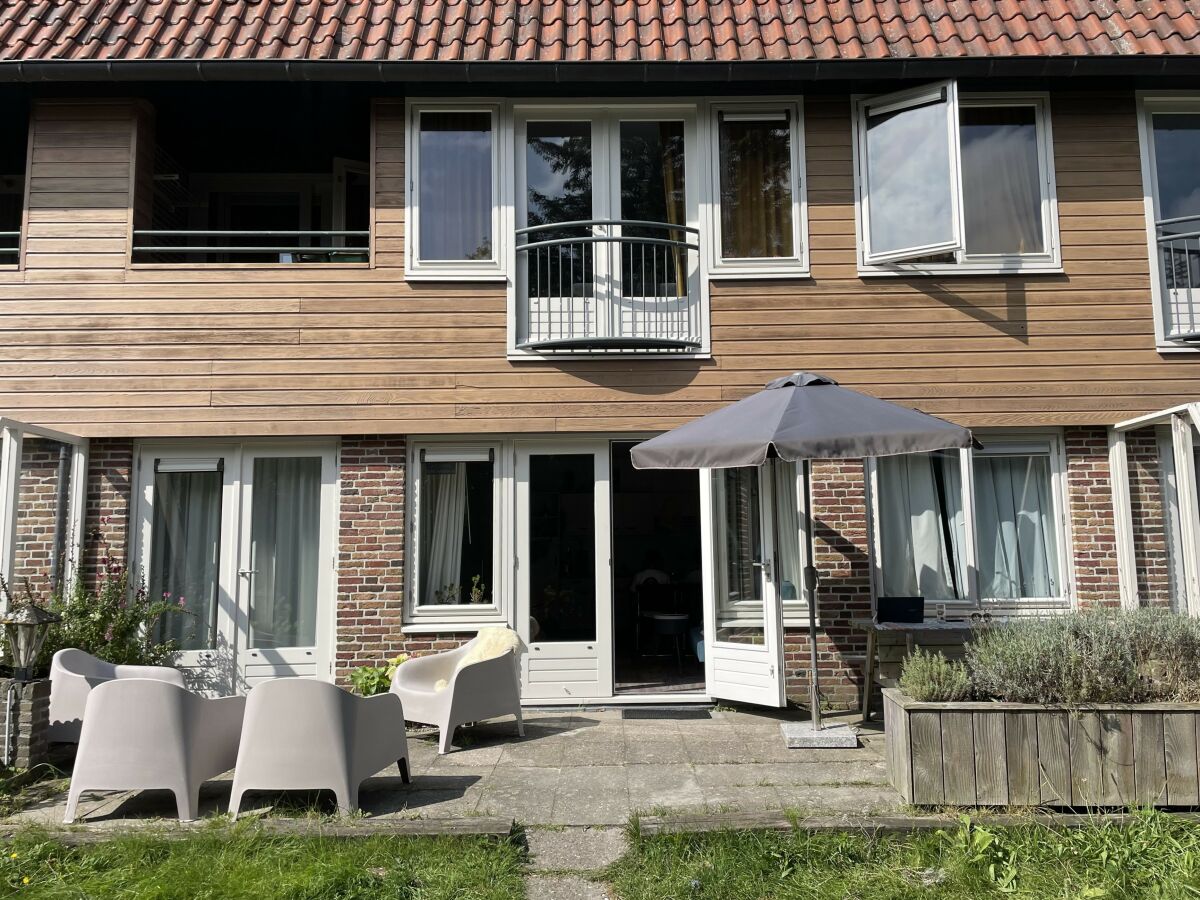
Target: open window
[
  {"x": 265, "y": 178},
  {"x": 951, "y": 183},
  {"x": 14, "y": 147}
]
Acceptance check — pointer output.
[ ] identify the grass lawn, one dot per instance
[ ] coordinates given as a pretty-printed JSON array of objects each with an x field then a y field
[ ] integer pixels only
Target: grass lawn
[
  {"x": 237, "y": 864},
  {"x": 1156, "y": 857}
]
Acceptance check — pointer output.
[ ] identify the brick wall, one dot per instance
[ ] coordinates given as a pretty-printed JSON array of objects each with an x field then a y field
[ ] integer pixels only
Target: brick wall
[
  {"x": 1149, "y": 519},
  {"x": 840, "y": 554},
  {"x": 109, "y": 501},
  {"x": 1093, "y": 531},
  {"x": 36, "y": 514}
]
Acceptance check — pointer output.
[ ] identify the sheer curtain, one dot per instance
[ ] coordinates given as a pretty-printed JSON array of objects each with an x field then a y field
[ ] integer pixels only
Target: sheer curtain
[
  {"x": 185, "y": 554},
  {"x": 756, "y": 191},
  {"x": 285, "y": 528},
  {"x": 1014, "y": 515},
  {"x": 443, "y": 516},
  {"x": 1002, "y": 195},
  {"x": 921, "y": 526},
  {"x": 455, "y": 185},
  {"x": 787, "y": 531}
]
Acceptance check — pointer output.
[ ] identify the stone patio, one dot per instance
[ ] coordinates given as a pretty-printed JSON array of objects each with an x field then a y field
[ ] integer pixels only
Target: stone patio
[{"x": 581, "y": 767}]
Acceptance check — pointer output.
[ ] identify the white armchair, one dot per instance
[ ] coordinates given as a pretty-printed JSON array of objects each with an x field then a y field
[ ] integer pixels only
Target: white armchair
[
  {"x": 452, "y": 688},
  {"x": 303, "y": 734},
  {"x": 143, "y": 733},
  {"x": 73, "y": 675}
]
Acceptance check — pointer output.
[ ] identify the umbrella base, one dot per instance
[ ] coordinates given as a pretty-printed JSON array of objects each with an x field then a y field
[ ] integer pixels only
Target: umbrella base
[{"x": 803, "y": 736}]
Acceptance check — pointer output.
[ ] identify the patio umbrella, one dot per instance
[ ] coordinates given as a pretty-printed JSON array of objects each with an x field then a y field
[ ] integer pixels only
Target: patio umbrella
[{"x": 799, "y": 417}]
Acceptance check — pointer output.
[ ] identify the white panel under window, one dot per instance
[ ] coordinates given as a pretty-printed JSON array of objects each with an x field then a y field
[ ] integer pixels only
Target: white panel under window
[{"x": 909, "y": 171}]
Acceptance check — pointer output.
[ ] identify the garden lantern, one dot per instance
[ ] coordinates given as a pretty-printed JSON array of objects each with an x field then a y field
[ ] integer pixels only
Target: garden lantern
[{"x": 26, "y": 627}]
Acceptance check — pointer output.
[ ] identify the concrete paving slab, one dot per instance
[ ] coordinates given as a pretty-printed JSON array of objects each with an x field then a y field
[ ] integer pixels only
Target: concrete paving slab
[
  {"x": 575, "y": 849},
  {"x": 651, "y": 786},
  {"x": 564, "y": 887},
  {"x": 595, "y": 795}
]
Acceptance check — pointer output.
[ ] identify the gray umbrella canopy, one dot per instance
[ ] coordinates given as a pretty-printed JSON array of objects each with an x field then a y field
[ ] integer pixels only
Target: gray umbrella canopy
[{"x": 801, "y": 416}]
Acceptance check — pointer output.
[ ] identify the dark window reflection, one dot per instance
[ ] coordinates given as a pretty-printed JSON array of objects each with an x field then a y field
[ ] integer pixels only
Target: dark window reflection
[
  {"x": 562, "y": 547},
  {"x": 756, "y": 189}
]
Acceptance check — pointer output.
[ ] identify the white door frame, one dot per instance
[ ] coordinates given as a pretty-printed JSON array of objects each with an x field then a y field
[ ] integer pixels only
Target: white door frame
[
  {"x": 220, "y": 669},
  {"x": 746, "y": 673},
  {"x": 580, "y": 656}
]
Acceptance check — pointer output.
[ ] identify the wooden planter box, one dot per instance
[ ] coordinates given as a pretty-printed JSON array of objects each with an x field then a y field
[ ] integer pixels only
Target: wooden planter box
[{"x": 1025, "y": 754}]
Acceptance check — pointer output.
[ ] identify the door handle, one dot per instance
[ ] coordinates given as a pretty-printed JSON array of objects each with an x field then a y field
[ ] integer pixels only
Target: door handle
[
  {"x": 246, "y": 573},
  {"x": 764, "y": 564}
]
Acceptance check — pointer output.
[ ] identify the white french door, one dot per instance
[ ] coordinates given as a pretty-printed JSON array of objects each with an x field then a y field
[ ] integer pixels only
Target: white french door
[
  {"x": 564, "y": 570},
  {"x": 743, "y": 625},
  {"x": 240, "y": 537}
]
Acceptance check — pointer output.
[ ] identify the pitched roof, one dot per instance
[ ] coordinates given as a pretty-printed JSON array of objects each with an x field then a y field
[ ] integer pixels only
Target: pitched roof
[{"x": 593, "y": 30}]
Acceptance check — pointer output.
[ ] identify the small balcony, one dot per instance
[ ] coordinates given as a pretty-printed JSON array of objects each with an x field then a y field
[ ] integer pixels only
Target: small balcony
[
  {"x": 607, "y": 287},
  {"x": 1179, "y": 263},
  {"x": 153, "y": 245}
]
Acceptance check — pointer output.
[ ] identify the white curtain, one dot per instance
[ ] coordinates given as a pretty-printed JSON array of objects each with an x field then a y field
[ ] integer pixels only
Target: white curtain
[
  {"x": 1014, "y": 514},
  {"x": 787, "y": 531},
  {"x": 1002, "y": 195},
  {"x": 442, "y": 524},
  {"x": 921, "y": 527},
  {"x": 184, "y": 554},
  {"x": 285, "y": 528}
]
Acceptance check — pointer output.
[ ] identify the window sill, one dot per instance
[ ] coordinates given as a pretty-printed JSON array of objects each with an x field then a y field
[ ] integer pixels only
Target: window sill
[
  {"x": 242, "y": 267},
  {"x": 497, "y": 277},
  {"x": 749, "y": 274},
  {"x": 534, "y": 356},
  {"x": 450, "y": 626},
  {"x": 1173, "y": 347},
  {"x": 959, "y": 270}
]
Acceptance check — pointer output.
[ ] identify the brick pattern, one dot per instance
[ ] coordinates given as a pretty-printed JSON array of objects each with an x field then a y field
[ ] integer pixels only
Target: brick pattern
[
  {"x": 36, "y": 514},
  {"x": 109, "y": 501},
  {"x": 1146, "y": 502},
  {"x": 32, "y": 727},
  {"x": 1093, "y": 529},
  {"x": 841, "y": 556}
]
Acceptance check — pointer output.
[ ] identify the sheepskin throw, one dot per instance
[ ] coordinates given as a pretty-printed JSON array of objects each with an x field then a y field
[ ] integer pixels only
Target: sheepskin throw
[{"x": 489, "y": 644}]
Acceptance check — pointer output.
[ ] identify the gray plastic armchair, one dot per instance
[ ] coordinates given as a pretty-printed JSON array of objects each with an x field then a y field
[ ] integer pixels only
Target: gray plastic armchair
[
  {"x": 303, "y": 734},
  {"x": 73, "y": 675},
  {"x": 453, "y": 688},
  {"x": 144, "y": 734}
]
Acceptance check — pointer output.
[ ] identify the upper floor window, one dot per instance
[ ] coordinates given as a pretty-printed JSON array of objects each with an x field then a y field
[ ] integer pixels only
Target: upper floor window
[
  {"x": 954, "y": 183},
  {"x": 758, "y": 191},
  {"x": 14, "y": 147},
  {"x": 454, "y": 228},
  {"x": 973, "y": 526},
  {"x": 1170, "y": 129},
  {"x": 280, "y": 180}
]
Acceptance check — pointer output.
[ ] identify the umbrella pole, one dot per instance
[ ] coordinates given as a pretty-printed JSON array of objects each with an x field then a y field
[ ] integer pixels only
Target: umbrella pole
[{"x": 814, "y": 691}]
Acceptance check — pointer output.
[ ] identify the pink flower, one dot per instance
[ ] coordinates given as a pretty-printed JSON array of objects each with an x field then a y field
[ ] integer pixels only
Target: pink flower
[
  {"x": 166, "y": 595},
  {"x": 180, "y": 603}
]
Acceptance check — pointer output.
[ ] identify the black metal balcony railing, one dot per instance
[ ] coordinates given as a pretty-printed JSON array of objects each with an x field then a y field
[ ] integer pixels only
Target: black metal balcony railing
[
  {"x": 609, "y": 286},
  {"x": 10, "y": 248},
  {"x": 1179, "y": 258},
  {"x": 254, "y": 246}
]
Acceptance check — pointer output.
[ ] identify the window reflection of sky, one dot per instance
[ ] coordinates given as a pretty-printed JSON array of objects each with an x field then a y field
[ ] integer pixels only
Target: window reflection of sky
[{"x": 1176, "y": 156}]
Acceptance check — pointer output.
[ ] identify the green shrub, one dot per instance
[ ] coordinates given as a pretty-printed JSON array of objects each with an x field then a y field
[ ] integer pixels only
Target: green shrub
[
  {"x": 931, "y": 678},
  {"x": 371, "y": 680},
  {"x": 1090, "y": 656}
]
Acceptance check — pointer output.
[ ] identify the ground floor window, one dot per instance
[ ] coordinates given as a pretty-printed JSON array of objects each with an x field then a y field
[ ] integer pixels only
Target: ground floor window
[{"x": 999, "y": 540}]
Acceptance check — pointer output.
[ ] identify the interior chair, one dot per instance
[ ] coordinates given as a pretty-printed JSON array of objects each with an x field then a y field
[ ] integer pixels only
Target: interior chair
[
  {"x": 479, "y": 680},
  {"x": 146, "y": 734},
  {"x": 304, "y": 734},
  {"x": 73, "y": 675}
]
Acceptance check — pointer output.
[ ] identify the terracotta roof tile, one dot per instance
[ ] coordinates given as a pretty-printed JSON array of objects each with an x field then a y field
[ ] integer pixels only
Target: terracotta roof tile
[{"x": 592, "y": 30}]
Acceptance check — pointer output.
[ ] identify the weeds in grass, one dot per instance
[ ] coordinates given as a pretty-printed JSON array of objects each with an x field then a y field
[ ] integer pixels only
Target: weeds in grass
[
  {"x": 1154, "y": 857},
  {"x": 242, "y": 864}
]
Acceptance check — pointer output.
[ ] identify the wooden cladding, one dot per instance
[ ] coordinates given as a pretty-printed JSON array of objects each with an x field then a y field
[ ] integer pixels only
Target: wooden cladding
[{"x": 94, "y": 345}]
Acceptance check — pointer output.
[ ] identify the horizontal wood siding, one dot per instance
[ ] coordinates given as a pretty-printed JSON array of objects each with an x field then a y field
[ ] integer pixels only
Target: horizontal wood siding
[{"x": 95, "y": 346}]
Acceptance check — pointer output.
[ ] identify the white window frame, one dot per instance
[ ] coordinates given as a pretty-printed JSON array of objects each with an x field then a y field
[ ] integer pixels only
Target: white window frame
[
  {"x": 418, "y": 269},
  {"x": 995, "y": 443},
  {"x": 793, "y": 266},
  {"x": 467, "y": 616},
  {"x": 1048, "y": 261},
  {"x": 1149, "y": 103}
]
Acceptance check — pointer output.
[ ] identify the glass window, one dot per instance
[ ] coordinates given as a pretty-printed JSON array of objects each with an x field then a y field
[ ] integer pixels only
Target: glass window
[
  {"x": 185, "y": 551},
  {"x": 755, "y": 163},
  {"x": 789, "y": 558},
  {"x": 455, "y": 186},
  {"x": 1015, "y": 527},
  {"x": 1002, "y": 183},
  {"x": 455, "y": 525},
  {"x": 922, "y": 550},
  {"x": 1176, "y": 149},
  {"x": 562, "y": 547},
  {"x": 740, "y": 596},
  {"x": 285, "y": 532}
]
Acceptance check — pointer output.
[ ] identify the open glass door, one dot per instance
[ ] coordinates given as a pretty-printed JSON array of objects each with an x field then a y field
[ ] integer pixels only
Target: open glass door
[
  {"x": 743, "y": 628},
  {"x": 564, "y": 586},
  {"x": 285, "y": 569}
]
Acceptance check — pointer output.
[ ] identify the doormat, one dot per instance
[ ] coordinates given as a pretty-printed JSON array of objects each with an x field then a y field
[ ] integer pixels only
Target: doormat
[{"x": 658, "y": 712}]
